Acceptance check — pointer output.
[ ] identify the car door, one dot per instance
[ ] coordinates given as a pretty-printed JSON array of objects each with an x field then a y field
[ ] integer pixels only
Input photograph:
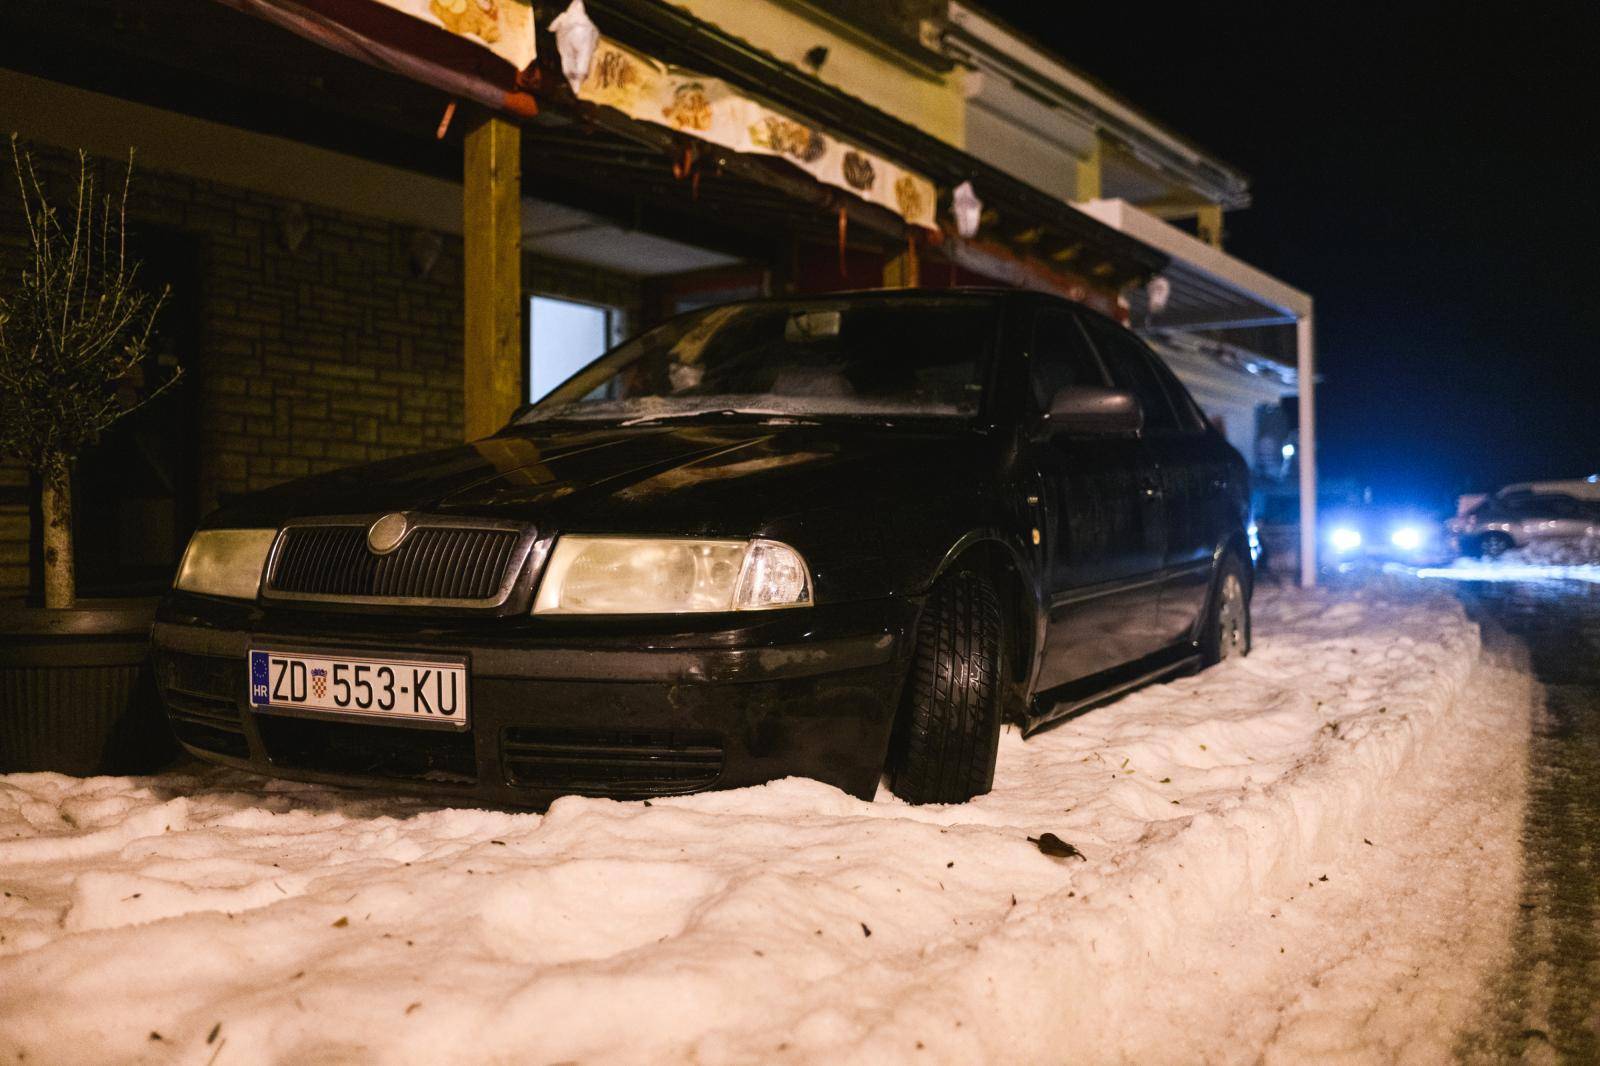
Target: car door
[
  {"x": 1196, "y": 476},
  {"x": 1564, "y": 518},
  {"x": 1188, "y": 467},
  {"x": 1100, "y": 519}
]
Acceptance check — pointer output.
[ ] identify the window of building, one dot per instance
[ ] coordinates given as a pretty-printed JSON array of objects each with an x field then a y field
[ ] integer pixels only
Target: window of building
[{"x": 564, "y": 336}]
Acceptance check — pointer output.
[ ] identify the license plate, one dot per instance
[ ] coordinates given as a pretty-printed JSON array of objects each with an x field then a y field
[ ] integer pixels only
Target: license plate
[{"x": 375, "y": 688}]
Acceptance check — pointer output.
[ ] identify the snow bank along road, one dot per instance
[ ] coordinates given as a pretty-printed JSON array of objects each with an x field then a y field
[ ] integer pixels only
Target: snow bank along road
[{"x": 1309, "y": 853}]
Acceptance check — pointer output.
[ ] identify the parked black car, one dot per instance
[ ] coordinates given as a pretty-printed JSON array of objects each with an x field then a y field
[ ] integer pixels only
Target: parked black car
[{"x": 830, "y": 537}]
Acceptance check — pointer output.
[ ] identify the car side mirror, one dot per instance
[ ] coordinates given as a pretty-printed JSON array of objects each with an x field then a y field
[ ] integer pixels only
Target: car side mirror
[{"x": 1093, "y": 411}]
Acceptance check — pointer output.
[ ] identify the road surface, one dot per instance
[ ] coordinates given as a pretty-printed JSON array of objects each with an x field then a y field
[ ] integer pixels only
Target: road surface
[{"x": 1545, "y": 1005}]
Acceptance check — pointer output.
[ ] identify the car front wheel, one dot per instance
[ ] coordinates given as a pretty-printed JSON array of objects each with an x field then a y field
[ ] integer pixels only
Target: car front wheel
[
  {"x": 949, "y": 724},
  {"x": 1227, "y": 629}
]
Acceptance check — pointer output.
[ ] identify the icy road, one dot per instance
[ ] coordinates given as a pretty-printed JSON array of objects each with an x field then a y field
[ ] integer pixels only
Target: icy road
[{"x": 1310, "y": 854}]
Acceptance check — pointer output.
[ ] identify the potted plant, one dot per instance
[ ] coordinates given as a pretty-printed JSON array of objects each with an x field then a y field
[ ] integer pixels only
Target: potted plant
[{"x": 75, "y": 691}]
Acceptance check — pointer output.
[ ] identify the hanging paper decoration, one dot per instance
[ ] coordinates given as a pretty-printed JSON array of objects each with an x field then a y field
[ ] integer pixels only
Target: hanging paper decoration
[
  {"x": 505, "y": 27},
  {"x": 967, "y": 208},
  {"x": 714, "y": 111},
  {"x": 1158, "y": 292},
  {"x": 576, "y": 37}
]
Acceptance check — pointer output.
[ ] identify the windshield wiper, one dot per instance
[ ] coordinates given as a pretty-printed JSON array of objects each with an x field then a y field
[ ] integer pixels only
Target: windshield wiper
[{"x": 719, "y": 412}]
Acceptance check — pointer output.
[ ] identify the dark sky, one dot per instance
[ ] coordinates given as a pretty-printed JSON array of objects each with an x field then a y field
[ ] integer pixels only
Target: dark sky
[{"x": 1431, "y": 175}]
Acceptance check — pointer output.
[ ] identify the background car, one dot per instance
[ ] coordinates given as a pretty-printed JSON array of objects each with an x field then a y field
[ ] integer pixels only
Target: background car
[
  {"x": 831, "y": 537},
  {"x": 1522, "y": 518}
]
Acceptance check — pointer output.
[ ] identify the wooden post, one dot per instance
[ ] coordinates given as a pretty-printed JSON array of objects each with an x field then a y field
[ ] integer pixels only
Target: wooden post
[
  {"x": 1088, "y": 177},
  {"x": 903, "y": 270},
  {"x": 492, "y": 248},
  {"x": 1208, "y": 224}
]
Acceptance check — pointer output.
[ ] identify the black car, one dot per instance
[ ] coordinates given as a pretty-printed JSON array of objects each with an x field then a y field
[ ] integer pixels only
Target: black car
[{"x": 833, "y": 537}]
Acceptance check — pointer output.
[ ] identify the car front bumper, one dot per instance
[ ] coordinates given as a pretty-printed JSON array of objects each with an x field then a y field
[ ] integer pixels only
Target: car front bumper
[{"x": 596, "y": 707}]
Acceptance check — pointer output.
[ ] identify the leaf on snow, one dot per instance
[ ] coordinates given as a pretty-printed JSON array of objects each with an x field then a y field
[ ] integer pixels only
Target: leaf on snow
[{"x": 1055, "y": 847}]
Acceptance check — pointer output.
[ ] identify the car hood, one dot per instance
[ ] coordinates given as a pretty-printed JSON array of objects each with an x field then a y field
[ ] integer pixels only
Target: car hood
[{"x": 723, "y": 478}]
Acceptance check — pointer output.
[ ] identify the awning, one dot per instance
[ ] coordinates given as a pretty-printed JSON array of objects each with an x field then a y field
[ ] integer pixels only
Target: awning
[
  {"x": 1032, "y": 224},
  {"x": 888, "y": 175},
  {"x": 470, "y": 55},
  {"x": 1207, "y": 289},
  {"x": 711, "y": 110}
]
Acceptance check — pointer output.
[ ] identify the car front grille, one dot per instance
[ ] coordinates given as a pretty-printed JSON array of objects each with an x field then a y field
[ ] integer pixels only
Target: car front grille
[
  {"x": 368, "y": 749},
  {"x": 202, "y": 694},
  {"x": 610, "y": 763},
  {"x": 455, "y": 565}
]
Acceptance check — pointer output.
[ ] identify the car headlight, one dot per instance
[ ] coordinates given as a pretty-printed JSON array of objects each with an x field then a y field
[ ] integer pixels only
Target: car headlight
[
  {"x": 226, "y": 562},
  {"x": 1406, "y": 538},
  {"x": 1345, "y": 539},
  {"x": 670, "y": 575}
]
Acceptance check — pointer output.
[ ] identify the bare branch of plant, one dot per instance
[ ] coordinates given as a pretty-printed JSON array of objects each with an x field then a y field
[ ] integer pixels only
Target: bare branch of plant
[{"x": 76, "y": 324}]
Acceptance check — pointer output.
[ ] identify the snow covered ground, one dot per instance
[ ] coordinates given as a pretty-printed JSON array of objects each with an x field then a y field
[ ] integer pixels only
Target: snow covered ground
[
  {"x": 1309, "y": 853},
  {"x": 1575, "y": 559}
]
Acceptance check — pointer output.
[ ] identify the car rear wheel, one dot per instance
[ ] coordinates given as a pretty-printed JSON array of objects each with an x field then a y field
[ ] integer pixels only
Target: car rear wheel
[
  {"x": 1227, "y": 629},
  {"x": 949, "y": 724}
]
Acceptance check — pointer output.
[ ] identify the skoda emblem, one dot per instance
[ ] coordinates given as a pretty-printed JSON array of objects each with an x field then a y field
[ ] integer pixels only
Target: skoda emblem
[{"x": 385, "y": 535}]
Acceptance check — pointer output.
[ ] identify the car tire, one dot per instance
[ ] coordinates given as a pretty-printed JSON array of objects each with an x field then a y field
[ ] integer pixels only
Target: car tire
[
  {"x": 1226, "y": 632},
  {"x": 949, "y": 724},
  {"x": 1494, "y": 545}
]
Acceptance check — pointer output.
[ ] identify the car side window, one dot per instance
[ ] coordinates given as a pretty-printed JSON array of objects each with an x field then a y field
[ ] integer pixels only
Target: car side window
[
  {"x": 1131, "y": 368},
  {"x": 1190, "y": 418},
  {"x": 1060, "y": 356}
]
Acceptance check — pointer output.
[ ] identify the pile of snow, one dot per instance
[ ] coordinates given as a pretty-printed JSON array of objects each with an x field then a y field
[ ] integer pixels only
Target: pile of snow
[
  {"x": 1566, "y": 559},
  {"x": 1236, "y": 830}
]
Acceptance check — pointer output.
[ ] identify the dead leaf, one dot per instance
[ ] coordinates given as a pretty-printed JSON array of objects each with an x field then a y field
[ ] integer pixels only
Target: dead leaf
[{"x": 1055, "y": 847}]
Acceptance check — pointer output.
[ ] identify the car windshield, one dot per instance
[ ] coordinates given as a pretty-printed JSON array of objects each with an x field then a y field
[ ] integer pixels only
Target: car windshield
[{"x": 876, "y": 357}]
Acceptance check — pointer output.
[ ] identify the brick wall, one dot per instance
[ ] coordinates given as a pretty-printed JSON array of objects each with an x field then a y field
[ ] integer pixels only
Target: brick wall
[{"x": 339, "y": 350}]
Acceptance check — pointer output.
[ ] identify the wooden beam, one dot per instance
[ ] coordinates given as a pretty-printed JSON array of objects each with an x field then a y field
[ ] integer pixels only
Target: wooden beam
[{"x": 492, "y": 250}]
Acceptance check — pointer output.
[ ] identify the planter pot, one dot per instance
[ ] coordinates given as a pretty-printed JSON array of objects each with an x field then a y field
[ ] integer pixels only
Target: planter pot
[{"x": 77, "y": 695}]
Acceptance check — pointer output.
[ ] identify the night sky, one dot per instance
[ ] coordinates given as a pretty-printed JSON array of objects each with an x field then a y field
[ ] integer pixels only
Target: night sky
[{"x": 1432, "y": 178}]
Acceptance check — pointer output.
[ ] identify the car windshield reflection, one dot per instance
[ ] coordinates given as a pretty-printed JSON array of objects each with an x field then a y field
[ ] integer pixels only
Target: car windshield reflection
[{"x": 883, "y": 357}]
